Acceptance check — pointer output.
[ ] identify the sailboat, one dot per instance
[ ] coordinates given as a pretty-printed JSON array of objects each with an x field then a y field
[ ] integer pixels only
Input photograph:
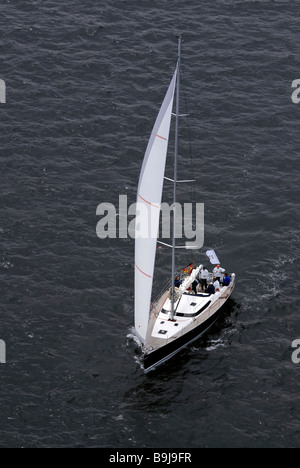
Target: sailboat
[{"x": 180, "y": 315}]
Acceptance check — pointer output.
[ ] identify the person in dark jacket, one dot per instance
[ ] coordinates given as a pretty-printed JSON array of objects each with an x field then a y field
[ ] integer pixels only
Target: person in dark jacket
[
  {"x": 177, "y": 282},
  {"x": 195, "y": 285},
  {"x": 226, "y": 280},
  {"x": 210, "y": 289}
]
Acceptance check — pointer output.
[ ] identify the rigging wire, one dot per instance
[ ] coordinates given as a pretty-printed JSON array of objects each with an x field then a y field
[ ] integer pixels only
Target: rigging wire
[{"x": 189, "y": 136}]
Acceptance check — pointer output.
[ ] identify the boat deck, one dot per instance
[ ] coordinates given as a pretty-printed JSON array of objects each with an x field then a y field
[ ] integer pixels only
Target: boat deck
[{"x": 191, "y": 310}]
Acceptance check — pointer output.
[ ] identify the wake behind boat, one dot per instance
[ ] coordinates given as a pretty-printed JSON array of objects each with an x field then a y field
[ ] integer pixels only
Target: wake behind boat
[{"x": 181, "y": 314}]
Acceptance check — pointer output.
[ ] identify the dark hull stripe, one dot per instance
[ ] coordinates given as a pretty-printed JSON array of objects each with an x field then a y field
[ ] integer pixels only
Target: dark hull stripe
[{"x": 154, "y": 359}]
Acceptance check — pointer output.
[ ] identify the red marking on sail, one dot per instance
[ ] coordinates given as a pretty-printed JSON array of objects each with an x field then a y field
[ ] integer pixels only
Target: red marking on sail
[
  {"x": 143, "y": 272},
  {"x": 149, "y": 203},
  {"x": 163, "y": 138}
]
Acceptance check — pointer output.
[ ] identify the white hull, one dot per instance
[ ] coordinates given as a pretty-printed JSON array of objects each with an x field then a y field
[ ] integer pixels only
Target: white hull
[{"x": 194, "y": 315}]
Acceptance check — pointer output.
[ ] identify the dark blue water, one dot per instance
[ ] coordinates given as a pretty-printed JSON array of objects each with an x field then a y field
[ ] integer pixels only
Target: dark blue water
[{"x": 84, "y": 84}]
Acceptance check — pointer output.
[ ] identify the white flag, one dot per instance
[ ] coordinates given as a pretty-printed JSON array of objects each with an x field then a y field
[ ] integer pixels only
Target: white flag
[{"x": 213, "y": 257}]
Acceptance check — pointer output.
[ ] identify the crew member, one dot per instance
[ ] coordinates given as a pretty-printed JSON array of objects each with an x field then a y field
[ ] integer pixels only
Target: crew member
[
  {"x": 216, "y": 284},
  {"x": 204, "y": 275},
  {"x": 218, "y": 273},
  {"x": 210, "y": 289},
  {"x": 226, "y": 280}
]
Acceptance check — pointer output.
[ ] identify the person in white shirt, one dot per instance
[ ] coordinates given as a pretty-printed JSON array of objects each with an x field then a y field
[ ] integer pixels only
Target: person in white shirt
[
  {"x": 218, "y": 273},
  {"x": 216, "y": 284},
  {"x": 204, "y": 275}
]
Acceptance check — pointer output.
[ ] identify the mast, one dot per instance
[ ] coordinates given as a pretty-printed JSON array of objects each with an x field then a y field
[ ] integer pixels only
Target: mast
[{"x": 175, "y": 175}]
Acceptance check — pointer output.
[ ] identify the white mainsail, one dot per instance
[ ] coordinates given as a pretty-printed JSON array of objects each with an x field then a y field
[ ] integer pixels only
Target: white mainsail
[{"x": 149, "y": 198}]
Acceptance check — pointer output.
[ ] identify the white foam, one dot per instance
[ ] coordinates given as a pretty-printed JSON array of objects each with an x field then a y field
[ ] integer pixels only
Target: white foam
[
  {"x": 214, "y": 344},
  {"x": 132, "y": 336}
]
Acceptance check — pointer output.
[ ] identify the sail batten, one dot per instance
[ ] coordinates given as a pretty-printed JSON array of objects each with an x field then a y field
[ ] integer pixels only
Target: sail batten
[
  {"x": 147, "y": 201},
  {"x": 143, "y": 273},
  {"x": 148, "y": 210}
]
